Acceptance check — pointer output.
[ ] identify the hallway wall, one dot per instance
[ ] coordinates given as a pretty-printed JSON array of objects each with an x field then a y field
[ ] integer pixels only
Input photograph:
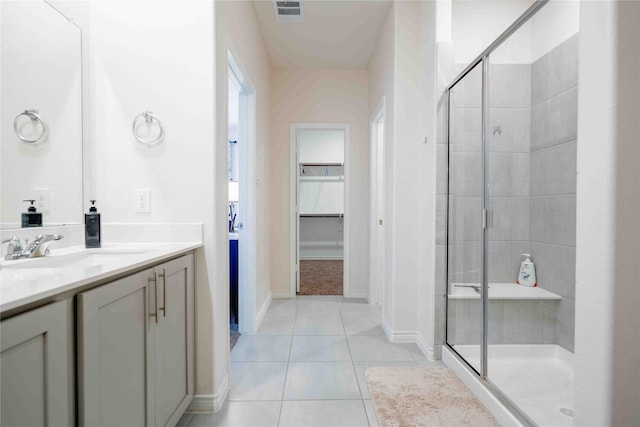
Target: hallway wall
[
  {"x": 402, "y": 71},
  {"x": 381, "y": 88},
  {"x": 245, "y": 42},
  {"x": 319, "y": 96}
]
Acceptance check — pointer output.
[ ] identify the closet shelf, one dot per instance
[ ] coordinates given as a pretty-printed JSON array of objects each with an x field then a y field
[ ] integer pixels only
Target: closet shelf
[
  {"x": 321, "y": 164},
  {"x": 325, "y": 215},
  {"x": 321, "y": 178}
]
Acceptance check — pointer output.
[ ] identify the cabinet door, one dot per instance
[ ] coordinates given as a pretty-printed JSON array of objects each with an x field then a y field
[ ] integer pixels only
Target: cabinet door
[
  {"x": 37, "y": 375},
  {"x": 173, "y": 351},
  {"x": 114, "y": 332}
]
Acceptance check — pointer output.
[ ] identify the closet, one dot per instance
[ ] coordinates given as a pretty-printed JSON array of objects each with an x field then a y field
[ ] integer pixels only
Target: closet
[{"x": 321, "y": 211}]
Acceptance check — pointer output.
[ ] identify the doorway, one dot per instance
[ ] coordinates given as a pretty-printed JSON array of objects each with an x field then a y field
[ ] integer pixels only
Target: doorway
[
  {"x": 377, "y": 206},
  {"x": 320, "y": 220},
  {"x": 241, "y": 178}
]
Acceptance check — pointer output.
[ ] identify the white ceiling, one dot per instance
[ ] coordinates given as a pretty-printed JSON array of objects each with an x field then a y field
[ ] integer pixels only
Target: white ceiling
[{"x": 335, "y": 34}]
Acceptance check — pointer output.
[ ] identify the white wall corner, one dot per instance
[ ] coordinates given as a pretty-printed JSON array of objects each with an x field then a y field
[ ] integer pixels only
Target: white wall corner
[
  {"x": 445, "y": 64},
  {"x": 398, "y": 337},
  {"x": 201, "y": 403},
  {"x": 211, "y": 402},
  {"x": 430, "y": 352},
  {"x": 263, "y": 311},
  {"x": 220, "y": 397},
  {"x": 280, "y": 295}
]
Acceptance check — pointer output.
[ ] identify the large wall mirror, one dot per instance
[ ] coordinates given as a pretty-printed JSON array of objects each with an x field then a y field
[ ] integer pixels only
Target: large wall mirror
[{"x": 40, "y": 113}]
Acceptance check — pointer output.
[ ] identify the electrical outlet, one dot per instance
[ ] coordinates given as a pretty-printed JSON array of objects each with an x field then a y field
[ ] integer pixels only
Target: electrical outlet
[
  {"x": 43, "y": 199},
  {"x": 142, "y": 200}
]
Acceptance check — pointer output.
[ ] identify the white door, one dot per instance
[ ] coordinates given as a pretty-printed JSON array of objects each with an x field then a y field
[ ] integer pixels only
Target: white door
[
  {"x": 242, "y": 127},
  {"x": 377, "y": 209}
]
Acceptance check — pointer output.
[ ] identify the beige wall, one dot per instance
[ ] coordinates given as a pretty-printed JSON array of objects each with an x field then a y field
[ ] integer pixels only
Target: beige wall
[
  {"x": 401, "y": 71},
  {"x": 319, "y": 96},
  {"x": 245, "y": 42},
  {"x": 381, "y": 87}
]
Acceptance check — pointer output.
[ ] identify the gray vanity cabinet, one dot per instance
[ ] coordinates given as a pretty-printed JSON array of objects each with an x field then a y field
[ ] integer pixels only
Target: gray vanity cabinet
[
  {"x": 174, "y": 341},
  {"x": 135, "y": 348},
  {"x": 37, "y": 367}
]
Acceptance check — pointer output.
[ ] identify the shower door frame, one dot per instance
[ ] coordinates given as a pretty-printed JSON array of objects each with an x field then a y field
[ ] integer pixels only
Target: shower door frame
[{"x": 483, "y": 61}]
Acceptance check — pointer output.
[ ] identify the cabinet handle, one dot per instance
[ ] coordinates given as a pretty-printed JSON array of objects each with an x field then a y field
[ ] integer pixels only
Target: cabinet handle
[
  {"x": 164, "y": 292},
  {"x": 154, "y": 279}
]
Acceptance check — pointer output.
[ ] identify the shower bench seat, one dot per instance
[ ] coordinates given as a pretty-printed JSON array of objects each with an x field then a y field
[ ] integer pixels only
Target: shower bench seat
[{"x": 501, "y": 291}]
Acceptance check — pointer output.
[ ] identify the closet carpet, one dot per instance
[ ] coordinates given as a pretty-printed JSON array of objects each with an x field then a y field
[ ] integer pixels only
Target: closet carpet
[{"x": 321, "y": 277}]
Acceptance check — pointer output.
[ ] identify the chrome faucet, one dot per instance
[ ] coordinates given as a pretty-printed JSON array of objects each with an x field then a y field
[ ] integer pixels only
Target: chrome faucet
[
  {"x": 38, "y": 248},
  {"x": 15, "y": 246}
]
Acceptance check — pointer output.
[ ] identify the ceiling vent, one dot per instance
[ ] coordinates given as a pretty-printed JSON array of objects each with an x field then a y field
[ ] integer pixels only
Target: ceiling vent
[{"x": 288, "y": 11}]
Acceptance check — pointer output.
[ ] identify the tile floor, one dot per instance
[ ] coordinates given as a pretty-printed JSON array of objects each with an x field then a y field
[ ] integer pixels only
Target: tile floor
[{"x": 306, "y": 366}]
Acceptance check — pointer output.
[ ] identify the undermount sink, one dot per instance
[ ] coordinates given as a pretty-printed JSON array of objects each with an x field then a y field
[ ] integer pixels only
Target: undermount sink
[{"x": 83, "y": 259}]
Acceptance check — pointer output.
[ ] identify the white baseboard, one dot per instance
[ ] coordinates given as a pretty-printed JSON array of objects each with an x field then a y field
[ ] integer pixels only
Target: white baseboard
[
  {"x": 280, "y": 294},
  {"x": 358, "y": 294},
  {"x": 201, "y": 403},
  {"x": 263, "y": 311},
  {"x": 409, "y": 337},
  {"x": 398, "y": 337},
  {"x": 210, "y": 402},
  {"x": 220, "y": 397},
  {"x": 427, "y": 350}
]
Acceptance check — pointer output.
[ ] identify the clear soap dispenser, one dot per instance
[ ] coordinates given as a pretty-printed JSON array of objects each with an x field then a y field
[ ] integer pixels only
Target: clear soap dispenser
[{"x": 92, "y": 227}]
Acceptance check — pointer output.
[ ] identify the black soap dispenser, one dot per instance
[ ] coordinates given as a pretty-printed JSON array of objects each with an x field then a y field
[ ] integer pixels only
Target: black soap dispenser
[
  {"x": 31, "y": 218},
  {"x": 92, "y": 227}
]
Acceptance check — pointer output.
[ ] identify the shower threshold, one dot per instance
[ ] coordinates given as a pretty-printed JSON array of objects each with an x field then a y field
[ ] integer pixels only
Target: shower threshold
[{"x": 537, "y": 378}]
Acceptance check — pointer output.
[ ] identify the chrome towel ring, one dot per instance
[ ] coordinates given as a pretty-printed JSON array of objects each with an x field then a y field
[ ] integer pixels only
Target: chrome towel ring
[
  {"x": 148, "y": 117},
  {"x": 35, "y": 117}
]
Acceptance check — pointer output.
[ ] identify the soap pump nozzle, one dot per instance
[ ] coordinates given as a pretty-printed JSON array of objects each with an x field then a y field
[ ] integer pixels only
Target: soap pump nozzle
[
  {"x": 31, "y": 208},
  {"x": 93, "y": 206}
]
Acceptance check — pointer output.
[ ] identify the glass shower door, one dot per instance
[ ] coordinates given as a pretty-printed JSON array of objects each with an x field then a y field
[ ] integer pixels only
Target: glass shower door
[{"x": 464, "y": 305}]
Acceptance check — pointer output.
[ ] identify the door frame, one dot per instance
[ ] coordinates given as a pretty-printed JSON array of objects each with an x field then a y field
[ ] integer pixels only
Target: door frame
[
  {"x": 247, "y": 236},
  {"x": 294, "y": 245},
  {"x": 376, "y": 229}
]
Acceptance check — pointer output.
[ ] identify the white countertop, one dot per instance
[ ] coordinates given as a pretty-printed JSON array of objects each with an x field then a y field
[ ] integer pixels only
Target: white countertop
[
  {"x": 29, "y": 281},
  {"x": 510, "y": 291}
]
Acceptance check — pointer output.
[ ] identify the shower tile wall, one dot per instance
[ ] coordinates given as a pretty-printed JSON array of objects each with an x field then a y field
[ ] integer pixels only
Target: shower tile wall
[
  {"x": 532, "y": 185},
  {"x": 465, "y": 203},
  {"x": 509, "y": 142},
  {"x": 554, "y": 115}
]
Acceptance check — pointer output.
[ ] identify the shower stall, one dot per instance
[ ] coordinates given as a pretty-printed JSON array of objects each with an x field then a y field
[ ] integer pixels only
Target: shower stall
[{"x": 512, "y": 142}]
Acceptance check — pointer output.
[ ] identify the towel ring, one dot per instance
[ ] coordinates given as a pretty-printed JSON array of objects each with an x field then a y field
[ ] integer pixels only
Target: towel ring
[
  {"x": 148, "y": 117},
  {"x": 33, "y": 115}
]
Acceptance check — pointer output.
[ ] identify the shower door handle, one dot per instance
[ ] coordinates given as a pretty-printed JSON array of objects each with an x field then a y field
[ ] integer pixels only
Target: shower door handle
[{"x": 487, "y": 219}]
